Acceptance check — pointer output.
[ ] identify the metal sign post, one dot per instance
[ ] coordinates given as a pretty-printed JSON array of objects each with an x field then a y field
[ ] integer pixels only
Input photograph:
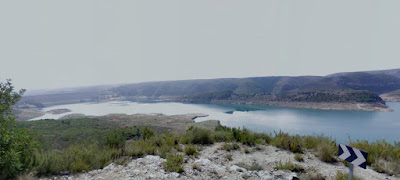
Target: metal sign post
[
  {"x": 354, "y": 156},
  {"x": 351, "y": 166}
]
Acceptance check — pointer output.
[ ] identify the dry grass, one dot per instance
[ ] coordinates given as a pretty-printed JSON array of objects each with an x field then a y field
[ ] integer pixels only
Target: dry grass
[
  {"x": 299, "y": 158},
  {"x": 288, "y": 165},
  {"x": 341, "y": 176},
  {"x": 388, "y": 167}
]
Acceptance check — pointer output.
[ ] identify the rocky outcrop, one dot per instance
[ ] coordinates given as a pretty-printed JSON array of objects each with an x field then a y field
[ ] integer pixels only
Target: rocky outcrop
[{"x": 213, "y": 164}]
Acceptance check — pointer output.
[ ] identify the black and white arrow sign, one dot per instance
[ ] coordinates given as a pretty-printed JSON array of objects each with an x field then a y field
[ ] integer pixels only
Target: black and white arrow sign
[{"x": 353, "y": 155}]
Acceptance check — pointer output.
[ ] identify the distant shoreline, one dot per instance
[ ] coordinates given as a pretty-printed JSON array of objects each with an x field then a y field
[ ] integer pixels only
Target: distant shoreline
[
  {"x": 322, "y": 105},
  {"x": 24, "y": 114}
]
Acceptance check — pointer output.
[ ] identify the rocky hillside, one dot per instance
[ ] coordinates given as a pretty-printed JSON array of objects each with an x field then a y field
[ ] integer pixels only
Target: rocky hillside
[{"x": 214, "y": 162}]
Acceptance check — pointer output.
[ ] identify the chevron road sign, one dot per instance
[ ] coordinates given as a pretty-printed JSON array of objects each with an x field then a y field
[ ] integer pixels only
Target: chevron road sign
[{"x": 353, "y": 155}]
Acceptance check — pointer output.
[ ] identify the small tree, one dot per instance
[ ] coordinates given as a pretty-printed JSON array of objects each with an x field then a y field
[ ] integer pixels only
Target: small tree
[{"x": 17, "y": 146}]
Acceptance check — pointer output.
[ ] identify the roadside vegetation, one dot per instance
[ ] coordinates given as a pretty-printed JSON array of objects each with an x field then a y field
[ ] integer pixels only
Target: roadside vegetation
[
  {"x": 139, "y": 142},
  {"x": 50, "y": 147},
  {"x": 288, "y": 165},
  {"x": 345, "y": 176}
]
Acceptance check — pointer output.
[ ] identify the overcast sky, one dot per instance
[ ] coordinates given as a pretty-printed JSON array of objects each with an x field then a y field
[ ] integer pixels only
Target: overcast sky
[{"x": 54, "y": 44}]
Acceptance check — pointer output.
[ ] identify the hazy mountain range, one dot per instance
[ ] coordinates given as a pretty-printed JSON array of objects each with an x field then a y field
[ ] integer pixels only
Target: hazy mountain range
[{"x": 348, "y": 87}]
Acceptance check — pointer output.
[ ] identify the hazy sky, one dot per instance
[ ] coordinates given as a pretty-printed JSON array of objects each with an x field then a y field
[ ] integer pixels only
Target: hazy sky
[{"x": 53, "y": 44}]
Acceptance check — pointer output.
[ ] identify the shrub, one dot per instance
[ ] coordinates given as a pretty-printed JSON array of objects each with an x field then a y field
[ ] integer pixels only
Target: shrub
[
  {"x": 312, "y": 142},
  {"x": 244, "y": 136},
  {"x": 196, "y": 135},
  {"x": 263, "y": 137},
  {"x": 388, "y": 167},
  {"x": 230, "y": 147},
  {"x": 326, "y": 151},
  {"x": 378, "y": 150},
  {"x": 140, "y": 148},
  {"x": 178, "y": 148},
  {"x": 17, "y": 145},
  {"x": 191, "y": 151},
  {"x": 164, "y": 150},
  {"x": 114, "y": 139},
  {"x": 76, "y": 158},
  {"x": 299, "y": 158},
  {"x": 174, "y": 163},
  {"x": 171, "y": 139},
  {"x": 223, "y": 136},
  {"x": 341, "y": 176},
  {"x": 287, "y": 142},
  {"x": 147, "y": 133},
  {"x": 155, "y": 145},
  {"x": 289, "y": 166}
]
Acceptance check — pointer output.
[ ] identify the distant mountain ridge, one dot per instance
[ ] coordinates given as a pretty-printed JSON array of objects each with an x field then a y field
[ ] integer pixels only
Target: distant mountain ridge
[
  {"x": 378, "y": 82},
  {"x": 391, "y": 72},
  {"x": 347, "y": 87}
]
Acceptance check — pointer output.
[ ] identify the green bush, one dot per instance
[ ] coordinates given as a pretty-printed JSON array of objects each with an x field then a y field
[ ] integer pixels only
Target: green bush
[
  {"x": 114, "y": 139},
  {"x": 174, "y": 163},
  {"x": 190, "y": 150},
  {"x": 159, "y": 145},
  {"x": 378, "y": 150},
  {"x": 164, "y": 150},
  {"x": 147, "y": 133},
  {"x": 263, "y": 138},
  {"x": 311, "y": 142},
  {"x": 196, "y": 135},
  {"x": 383, "y": 156},
  {"x": 17, "y": 145},
  {"x": 140, "y": 148},
  {"x": 244, "y": 136},
  {"x": 76, "y": 158},
  {"x": 287, "y": 142},
  {"x": 230, "y": 147},
  {"x": 326, "y": 151},
  {"x": 223, "y": 136}
]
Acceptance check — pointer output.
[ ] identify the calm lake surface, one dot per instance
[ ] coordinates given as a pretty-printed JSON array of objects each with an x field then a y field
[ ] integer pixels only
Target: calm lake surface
[{"x": 340, "y": 125}]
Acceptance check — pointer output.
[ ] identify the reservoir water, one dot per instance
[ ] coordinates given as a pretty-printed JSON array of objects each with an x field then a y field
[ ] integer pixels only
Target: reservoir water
[{"x": 340, "y": 125}]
